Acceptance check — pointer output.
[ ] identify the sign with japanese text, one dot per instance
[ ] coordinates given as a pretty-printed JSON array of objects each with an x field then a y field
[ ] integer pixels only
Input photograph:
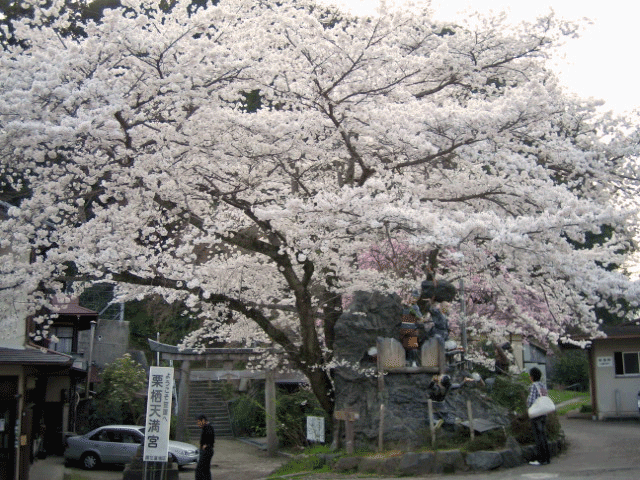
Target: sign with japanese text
[
  {"x": 156, "y": 429},
  {"x": 315, "y": 429},
  {"x": 604, "y": 362}
]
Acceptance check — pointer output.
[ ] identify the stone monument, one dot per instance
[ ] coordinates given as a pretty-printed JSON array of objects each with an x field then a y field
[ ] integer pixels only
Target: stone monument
[{"x": 372, "y": 322}]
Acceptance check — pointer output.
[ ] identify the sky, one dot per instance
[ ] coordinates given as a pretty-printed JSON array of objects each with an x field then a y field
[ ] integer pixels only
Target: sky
[{"x": 602, "y": 64}]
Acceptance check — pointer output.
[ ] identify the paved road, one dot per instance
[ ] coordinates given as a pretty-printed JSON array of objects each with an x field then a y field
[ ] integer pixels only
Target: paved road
[{"x": 597, "y": 451}]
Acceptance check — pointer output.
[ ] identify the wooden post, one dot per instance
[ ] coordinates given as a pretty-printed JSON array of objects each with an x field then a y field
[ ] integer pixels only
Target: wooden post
[
  {"x": 432, "y": 427},
  {"x": 349, "y": 434},
  {"x": 270, "y": 407},
  {"x": 471, "y": 426},
  {"x": 381, "y": 429},
  {"x": 349, "y": 417},
  {"x": 335, "y": 445}
]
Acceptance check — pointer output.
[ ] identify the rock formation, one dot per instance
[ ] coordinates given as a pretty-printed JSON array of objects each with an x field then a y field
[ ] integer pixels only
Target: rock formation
[{"x": 405, "y": 394}]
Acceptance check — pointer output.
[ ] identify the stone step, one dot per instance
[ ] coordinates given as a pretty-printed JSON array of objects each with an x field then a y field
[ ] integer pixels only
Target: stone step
[{"x": 205, "y": 397}]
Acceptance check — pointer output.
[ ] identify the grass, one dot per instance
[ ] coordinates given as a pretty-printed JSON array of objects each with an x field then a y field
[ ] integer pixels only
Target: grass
[
  {"x": 311, "y": 450},
  {"x": 559, "y": 396},
  {"x": 581, "y": 399},
  {"x": 74, "y": 476},
  {"x": 300, "y": 465}
]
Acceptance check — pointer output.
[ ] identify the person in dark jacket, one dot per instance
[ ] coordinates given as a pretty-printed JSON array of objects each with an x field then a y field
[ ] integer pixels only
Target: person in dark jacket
[
  {"x": 538, "y": 424},
  {"x": 207, "y": 441}
]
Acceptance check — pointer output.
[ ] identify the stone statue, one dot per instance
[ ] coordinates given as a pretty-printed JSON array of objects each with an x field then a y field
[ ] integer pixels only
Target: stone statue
[
  {"x": 437, "y": 391},
  {"x": 412, "y": 319}
]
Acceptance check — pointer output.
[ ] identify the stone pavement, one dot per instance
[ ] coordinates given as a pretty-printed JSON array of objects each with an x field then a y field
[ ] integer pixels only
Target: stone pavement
[{"x": 51, "y": 468}]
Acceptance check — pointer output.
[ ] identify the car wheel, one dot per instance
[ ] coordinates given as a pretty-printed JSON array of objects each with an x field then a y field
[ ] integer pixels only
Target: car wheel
[
  {"x": 173, "y": 459},
  {"x": 90, "y": 461}
]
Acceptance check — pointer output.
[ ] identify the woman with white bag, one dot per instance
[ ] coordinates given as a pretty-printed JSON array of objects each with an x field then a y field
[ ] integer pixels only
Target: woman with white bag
[{"x": 538, "y": 408}]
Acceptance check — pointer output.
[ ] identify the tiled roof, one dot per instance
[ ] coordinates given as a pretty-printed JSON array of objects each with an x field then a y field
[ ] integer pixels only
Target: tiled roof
[
  {"x": 14, "y": 356},
  {"x": 625, "y": 330},
  {"x": 164, "y": 348},
  {"x": 69, "y": 306}
]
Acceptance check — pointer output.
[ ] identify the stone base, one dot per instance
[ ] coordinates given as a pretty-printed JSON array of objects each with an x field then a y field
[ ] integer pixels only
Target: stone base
[{"x": 442, "y": 461}]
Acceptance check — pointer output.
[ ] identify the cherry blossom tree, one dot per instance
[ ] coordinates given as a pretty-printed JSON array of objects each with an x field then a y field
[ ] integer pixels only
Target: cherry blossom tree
[{"x": 129, "y": 155}]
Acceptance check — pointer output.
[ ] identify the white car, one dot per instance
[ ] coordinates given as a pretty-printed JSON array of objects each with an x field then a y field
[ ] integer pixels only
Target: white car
[{"x": 118, "y": 444}]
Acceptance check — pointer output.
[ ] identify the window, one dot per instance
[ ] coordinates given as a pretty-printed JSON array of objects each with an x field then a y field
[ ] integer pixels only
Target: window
[
  {"x": 627, "y": 363},
  {"x": 65, "y": 339},
  {"x": 108, "y": 435},
  {"x": 130, "y": 437},
  {"x": 101, "y": 436}
]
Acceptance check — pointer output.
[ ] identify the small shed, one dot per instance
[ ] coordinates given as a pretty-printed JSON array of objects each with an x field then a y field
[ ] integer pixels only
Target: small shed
[{"x": 614, "y": 371}]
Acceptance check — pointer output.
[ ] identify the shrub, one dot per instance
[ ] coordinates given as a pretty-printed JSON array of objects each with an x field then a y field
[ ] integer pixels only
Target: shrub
[
  {"x": 586, "y": 409},
  {"x": 118, "y": 399},
  {"x": 292, "y": 410},
  {"x": 510, "y": 394},
  {"x": 571, "y": 368},
  {"x": 248, "y": 415},
  {"x": 521, "y": 428}
]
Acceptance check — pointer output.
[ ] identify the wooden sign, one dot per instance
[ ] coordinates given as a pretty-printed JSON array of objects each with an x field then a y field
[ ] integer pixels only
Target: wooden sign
[{"x": 346, "y": 415}]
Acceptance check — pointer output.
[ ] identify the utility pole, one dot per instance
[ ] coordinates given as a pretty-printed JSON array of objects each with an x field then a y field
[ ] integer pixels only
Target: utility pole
[{"x": 90, "y": 360}]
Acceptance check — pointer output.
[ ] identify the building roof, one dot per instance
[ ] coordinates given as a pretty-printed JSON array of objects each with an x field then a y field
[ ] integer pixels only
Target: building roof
[
  {"x": 173, "y": 349},
  {"x": 28, "y": 356},
  {"x": 69, "y": 306},
  {"x": 624, "y": 330}
]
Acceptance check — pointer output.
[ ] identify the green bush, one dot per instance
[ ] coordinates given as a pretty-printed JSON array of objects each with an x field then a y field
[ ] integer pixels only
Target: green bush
[
  {"x": 521, "y": 429},
  {"x": 586, "y": 409},
  {"x": 248, "y": 415},
  {"x": 292, "y": 409},
  {"x": 571, "y": 368},
  {"x": 510, "y": 394},
  {"x": 117, "y": 400}
]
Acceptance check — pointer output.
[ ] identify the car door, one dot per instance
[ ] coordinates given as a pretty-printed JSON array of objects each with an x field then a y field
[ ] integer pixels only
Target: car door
[
  {"x": 131, "y": 440},
  {"x": 106, "y": 443}
]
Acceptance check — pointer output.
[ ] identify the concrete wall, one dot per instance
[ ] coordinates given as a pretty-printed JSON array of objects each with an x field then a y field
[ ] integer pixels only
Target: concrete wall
[
  {"x": 111, "y": 341},
  {"x": 54, "y": 386},
  {"x": 13, "y": 304},
  {"x": 13, "y": 314},
  {"x": 535, "y": 357},
  {"x": 616, "y": 396}
]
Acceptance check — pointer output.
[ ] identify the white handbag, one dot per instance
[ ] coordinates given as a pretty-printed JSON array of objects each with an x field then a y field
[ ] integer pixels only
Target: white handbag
[{"x": 542, "y": 405}]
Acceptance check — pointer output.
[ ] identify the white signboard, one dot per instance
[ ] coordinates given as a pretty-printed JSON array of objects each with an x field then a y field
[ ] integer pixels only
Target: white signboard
[
  {"x": 605, "y": 361},
  {"x": 315, "y": 429},
  {"x": 156, "y": 429}
]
